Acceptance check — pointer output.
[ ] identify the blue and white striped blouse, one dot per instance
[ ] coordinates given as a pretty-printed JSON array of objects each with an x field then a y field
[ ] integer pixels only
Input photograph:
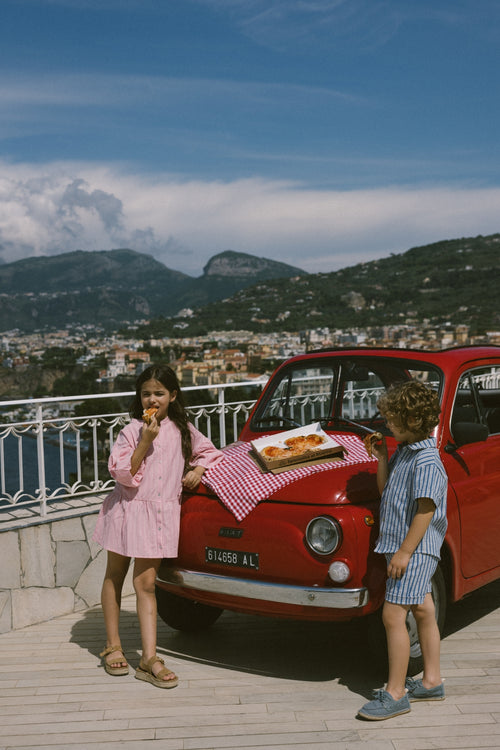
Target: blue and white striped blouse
[{"x": 415, "y": 471}]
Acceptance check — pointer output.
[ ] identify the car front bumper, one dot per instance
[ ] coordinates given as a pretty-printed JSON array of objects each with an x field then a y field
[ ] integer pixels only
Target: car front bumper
[{"x": 327, "y": 598}]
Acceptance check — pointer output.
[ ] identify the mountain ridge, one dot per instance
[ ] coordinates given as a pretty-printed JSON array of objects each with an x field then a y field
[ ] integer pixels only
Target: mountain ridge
[
  {"x": 115, "y": 287},
  {"x": 242, "y": 265},
  {"x": 449, "y": 282}
]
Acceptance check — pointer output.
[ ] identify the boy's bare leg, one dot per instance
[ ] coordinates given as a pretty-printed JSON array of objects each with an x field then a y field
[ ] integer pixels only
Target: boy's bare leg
[
  {"x": 111, "y": 596},
  {"x": 430, "y": 641},
  {"x": 398, "y": 647}
]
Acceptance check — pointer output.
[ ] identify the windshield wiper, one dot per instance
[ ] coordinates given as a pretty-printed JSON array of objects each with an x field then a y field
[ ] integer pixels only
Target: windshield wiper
[{"x": 343, "y": 420}]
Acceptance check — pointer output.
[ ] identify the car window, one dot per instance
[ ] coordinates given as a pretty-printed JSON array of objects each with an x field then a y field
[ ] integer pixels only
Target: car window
[
  {"x": 488, "y": 385},
  {"x": 363, "y": 384},
  {"x": 362, "y": 388},
  {"x": 303, "y": 395},
  {"x": 336, "y": 391},
  {"x": 477, "y": 399},
  {"x": 429, "y": 377}
]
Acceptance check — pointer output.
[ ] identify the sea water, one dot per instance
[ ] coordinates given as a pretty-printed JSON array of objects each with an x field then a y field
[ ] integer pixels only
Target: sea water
[{"x": 30, "y": 473}]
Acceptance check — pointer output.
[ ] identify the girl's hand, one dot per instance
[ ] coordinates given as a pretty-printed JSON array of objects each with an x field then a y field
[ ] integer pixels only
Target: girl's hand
[
  {"x": 151, "y": 430},
  {"x": 148, "y": 434},
  {"x": 192, "y": 478}
]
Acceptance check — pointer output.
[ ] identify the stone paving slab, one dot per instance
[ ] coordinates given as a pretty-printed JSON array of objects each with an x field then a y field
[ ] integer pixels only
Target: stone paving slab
[{"x": 249, "y": 682}]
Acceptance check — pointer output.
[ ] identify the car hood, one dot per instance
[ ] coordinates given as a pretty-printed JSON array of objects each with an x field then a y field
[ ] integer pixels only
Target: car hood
[
  {"x": 341, "y": 484},
  {"x": 352, "y": 484}
]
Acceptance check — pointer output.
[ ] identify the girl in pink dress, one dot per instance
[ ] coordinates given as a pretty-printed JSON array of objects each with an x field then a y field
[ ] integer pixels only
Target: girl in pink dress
[{"x": 152, "y": 463}]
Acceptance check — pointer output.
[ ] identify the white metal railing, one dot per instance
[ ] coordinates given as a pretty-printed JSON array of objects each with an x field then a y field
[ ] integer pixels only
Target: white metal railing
[
  {"x": 360, "y": 403},
  {"x": 306, "y": 405},
  {"x": 51, "y": 449}
]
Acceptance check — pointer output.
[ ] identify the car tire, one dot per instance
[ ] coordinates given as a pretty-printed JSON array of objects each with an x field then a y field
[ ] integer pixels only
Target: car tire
[
  {"x": 376, "y": 631},
  {"x": 184, "y": 614}
]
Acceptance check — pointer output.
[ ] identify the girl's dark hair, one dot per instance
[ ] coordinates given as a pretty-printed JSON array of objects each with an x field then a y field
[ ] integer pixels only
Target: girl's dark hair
[{"x": 176, "y": 410}]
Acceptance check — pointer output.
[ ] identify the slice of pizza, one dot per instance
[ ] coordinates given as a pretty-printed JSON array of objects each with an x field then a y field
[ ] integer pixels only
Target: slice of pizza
[
  {"x": 148, "y": 414},
  {"x": 370, "y": 440}
]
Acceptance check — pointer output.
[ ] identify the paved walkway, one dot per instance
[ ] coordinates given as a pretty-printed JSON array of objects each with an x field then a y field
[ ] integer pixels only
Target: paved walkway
[{"x": 247, "y": 683}]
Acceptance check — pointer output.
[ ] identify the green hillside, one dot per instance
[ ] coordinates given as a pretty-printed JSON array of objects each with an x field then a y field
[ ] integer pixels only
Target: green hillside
[{"x": 452, "y": 281}]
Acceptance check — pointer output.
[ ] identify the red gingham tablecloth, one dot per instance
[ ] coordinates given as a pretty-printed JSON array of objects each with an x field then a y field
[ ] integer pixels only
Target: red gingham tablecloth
[{"x": 240, "y": 485}]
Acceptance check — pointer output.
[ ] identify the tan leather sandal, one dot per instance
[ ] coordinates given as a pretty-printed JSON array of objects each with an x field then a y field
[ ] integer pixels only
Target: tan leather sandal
[
  {"x": 114, "y": 666},
  {"x": 145, "y": 672}
]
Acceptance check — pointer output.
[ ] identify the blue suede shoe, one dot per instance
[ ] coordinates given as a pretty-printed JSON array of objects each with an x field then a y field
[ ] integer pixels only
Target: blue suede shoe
[
  {"x": 417, "y": 692},
  {"x": 384, "y": 706}
]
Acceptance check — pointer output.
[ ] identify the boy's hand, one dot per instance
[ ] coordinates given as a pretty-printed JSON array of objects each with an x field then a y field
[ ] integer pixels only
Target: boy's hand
[
  {"x": 398, "y": 564},
  {"x": 379, "y": 449},
  {"x": 375, "y": 444}
]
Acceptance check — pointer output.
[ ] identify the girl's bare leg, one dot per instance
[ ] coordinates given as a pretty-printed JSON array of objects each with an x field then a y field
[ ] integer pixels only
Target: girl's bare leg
[
  {"x": 398, "y": 647},
  {"x": 111, "y": 597},
  {"x": 144, "y": 584},
  {"x": 430, "y": 641}
]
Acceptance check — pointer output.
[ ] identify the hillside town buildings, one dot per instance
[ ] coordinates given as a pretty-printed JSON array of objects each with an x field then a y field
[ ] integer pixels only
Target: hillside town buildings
[{"x": 222, "y": 356}]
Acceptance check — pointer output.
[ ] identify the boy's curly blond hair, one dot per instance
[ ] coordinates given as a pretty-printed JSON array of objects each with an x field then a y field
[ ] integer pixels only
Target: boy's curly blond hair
[{"x": 415, "y": 406}]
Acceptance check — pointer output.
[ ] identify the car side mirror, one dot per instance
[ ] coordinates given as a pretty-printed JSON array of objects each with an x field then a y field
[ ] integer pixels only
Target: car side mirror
[{"x": 469, "y": 432}]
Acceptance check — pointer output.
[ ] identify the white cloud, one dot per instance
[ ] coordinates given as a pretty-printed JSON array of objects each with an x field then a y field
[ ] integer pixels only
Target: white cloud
[
  {"x": 367, "y": 23},
  {"x": 47, "y": 209},
  {"x": 99, "y": 90}
]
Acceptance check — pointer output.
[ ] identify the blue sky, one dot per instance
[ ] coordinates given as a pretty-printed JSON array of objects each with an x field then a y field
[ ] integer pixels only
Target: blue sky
[{"x": 320, "y": 133}]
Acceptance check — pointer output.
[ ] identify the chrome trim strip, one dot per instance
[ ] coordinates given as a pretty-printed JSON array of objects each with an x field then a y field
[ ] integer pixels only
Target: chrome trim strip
[{"x": 271, "y": 592}]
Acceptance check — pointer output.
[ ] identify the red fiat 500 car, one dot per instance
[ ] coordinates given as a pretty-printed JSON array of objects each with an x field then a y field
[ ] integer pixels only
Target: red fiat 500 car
[{"x": 299, "y": 543}]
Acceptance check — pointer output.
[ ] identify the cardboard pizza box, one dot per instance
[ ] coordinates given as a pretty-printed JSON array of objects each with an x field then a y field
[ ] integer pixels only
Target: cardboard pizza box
[{"x": 325, "y": 449}]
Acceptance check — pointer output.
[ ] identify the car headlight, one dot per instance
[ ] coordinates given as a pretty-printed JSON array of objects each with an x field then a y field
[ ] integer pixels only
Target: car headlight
[{"x": 323, "y": 535}]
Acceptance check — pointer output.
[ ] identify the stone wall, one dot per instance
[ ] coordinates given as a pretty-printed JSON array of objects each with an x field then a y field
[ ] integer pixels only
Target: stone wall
[{"x": 50, "y": 569}]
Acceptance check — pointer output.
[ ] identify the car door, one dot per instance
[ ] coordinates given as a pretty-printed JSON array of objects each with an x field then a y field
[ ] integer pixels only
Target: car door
[{"x": 473, "y": 467}]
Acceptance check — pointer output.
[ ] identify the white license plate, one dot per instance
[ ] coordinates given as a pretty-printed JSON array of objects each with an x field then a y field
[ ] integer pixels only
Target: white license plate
[{"x": 235, "y": 558}]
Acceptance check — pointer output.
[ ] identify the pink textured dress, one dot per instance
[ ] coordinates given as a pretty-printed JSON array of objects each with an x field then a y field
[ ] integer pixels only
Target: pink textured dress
[{"x": 141, "y": 516}]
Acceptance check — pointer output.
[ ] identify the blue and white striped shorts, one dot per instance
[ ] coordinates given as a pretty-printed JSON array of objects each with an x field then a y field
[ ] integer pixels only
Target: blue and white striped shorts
[{"x": 415, "y": 583}]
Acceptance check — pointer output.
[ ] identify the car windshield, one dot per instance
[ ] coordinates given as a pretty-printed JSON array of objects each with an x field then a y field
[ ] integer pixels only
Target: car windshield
[{"x": 337, "y": 391}]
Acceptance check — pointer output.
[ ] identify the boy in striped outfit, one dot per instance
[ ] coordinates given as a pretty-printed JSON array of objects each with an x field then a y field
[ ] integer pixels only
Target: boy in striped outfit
[{"x": 413, "y": 485}]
